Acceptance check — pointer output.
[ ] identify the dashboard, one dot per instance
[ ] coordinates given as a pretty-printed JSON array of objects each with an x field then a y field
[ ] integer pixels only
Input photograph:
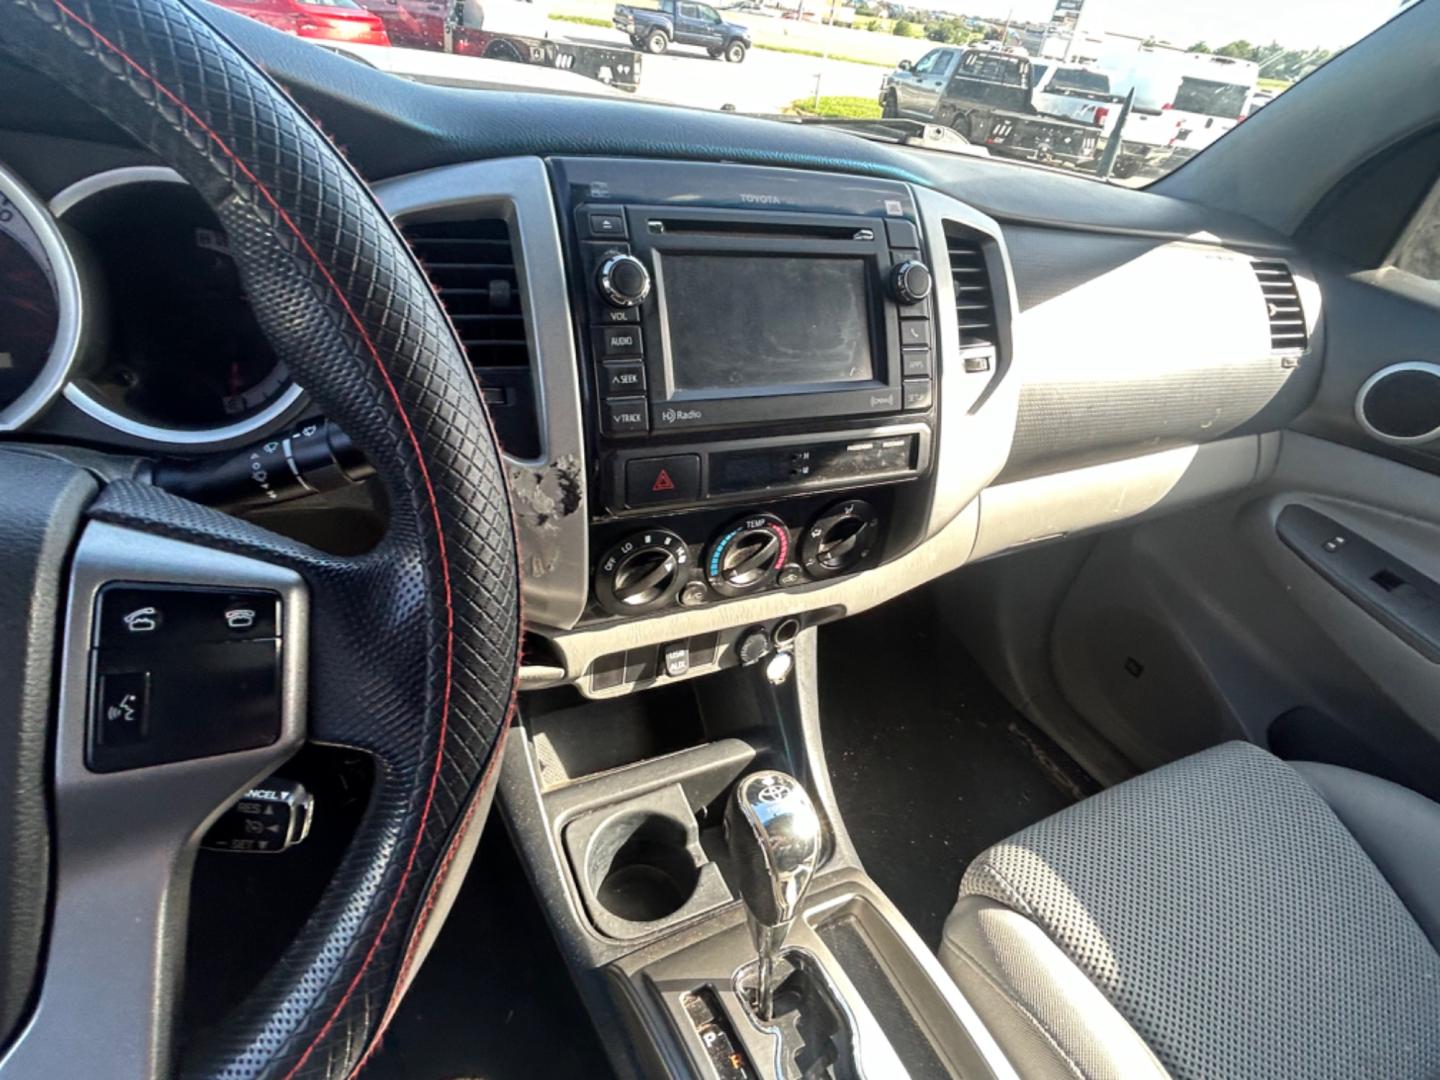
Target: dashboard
[{"x": 737, "y": 397}]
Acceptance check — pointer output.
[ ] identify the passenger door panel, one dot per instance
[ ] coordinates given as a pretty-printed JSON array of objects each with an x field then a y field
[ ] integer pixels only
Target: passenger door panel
[{"x": 1236, "y": 620}]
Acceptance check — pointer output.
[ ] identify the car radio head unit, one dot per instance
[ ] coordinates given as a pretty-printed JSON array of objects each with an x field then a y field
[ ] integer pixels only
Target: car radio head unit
[
  {"x": 786, "y": 325},
  {"x": 711, "y": 318}
]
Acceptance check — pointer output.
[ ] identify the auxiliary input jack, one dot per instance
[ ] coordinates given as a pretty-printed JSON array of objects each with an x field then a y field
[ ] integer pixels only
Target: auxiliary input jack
[{"x": 785, "y": 633}]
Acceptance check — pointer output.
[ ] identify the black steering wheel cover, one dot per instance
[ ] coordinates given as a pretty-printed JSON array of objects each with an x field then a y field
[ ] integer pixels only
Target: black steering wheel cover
[{"x": 414, "y": 645}]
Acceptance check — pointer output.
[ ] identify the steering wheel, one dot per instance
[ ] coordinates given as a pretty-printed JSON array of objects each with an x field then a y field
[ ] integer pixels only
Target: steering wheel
[{"x": 413, "y": 646}]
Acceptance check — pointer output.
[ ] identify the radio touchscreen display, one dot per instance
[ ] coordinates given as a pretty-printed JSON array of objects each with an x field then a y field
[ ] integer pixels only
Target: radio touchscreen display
[{"x": 741, "y": 323}]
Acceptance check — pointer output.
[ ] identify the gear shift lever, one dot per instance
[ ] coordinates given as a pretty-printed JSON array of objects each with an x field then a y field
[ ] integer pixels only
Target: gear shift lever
[{"x": 774, "y": 836}]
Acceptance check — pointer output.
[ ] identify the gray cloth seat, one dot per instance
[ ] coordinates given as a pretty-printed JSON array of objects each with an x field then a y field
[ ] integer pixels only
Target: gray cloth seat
[{"x": 1229, "y": 915}]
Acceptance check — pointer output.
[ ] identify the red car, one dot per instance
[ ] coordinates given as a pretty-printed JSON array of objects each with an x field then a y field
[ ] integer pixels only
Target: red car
[{"x": 331, "y": 20}]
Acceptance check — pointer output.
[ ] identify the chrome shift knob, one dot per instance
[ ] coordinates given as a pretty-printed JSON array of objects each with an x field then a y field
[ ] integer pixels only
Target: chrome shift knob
[{"x": 775, "y": 837}]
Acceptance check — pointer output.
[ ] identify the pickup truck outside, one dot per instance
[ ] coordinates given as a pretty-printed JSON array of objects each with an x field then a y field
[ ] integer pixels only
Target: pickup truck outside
[
  {"x": 1072, "y": 92},
  {"x": 985, "y": 95},
  {"x": 682, "y": 22},
  {"x": 515, "y": 30}
]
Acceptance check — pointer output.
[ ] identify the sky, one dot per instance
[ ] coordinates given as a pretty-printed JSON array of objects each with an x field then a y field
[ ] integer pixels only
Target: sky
[{"x": 1330, "y": 24}]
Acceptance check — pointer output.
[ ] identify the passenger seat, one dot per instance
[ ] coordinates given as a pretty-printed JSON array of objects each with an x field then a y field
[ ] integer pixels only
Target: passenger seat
[{"x": 1228, "y": 915}]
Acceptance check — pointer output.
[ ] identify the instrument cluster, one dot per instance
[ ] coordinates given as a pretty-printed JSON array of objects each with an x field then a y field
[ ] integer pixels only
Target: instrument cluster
[{"x": 119, "y": 297}]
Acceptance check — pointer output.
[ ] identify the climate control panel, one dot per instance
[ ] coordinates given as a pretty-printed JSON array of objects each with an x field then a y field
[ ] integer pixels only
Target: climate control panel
[
  {"x": 748, "y": 556},
  {"x": 651, "y": 569}
]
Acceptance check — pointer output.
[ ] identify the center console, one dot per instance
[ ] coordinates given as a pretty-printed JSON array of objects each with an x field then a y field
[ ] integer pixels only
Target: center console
[
  {"x": 767, "y": 398},
  {"x": 759, "y": 379}
]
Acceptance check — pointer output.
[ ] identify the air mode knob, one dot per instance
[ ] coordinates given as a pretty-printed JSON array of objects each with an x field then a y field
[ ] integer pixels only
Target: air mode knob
[
  {"x": 840, "y": 539},
  {"x": 910, "y": 281},
  {"x": 623, "y": 281}
]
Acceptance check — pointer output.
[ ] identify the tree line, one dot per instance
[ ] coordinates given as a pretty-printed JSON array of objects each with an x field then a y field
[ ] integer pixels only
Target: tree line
[{"x": 1276, "y": 61}]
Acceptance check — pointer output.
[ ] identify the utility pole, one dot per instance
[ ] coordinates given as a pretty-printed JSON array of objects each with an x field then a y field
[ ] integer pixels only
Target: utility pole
[{"x": 825, "y": 56}]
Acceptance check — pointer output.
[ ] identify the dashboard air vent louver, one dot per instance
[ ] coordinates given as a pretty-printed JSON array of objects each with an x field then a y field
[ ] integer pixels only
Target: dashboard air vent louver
[
  {"x": 974, "y": 299},
  {"x": 1282, "y": 304},
  {"x": 472, "y": 266}
]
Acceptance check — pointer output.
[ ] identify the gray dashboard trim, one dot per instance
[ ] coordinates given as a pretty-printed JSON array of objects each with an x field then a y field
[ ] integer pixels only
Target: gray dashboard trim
[
  {"x": 69, "y": 301},
  {"x": 548, "y": 493},
  {"x": 1370, "y": 384},
  {"x": 126, "y": 841}
]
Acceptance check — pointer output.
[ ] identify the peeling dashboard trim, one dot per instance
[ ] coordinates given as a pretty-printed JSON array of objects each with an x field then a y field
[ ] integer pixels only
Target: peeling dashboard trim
[{"x": 548, "y": 493}]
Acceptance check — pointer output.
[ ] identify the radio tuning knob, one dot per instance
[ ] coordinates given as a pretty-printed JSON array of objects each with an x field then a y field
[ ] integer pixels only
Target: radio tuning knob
[
  {"x": 623, "y": 281},
  {"x": 910, "y": 281}
]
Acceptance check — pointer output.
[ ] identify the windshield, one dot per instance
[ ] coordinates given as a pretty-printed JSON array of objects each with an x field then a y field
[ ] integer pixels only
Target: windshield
[
  {"x": 1211, "y": 98},
  {"x": 1089, "y": 82},
  {"x": 1135, "y": 88}
]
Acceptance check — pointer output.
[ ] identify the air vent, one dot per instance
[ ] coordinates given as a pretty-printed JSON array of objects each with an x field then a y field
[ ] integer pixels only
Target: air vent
[
  {"x": 472, "y": 267},
  {"x": 974, "y": 300},
  {"x": 1282, "y": 303}
]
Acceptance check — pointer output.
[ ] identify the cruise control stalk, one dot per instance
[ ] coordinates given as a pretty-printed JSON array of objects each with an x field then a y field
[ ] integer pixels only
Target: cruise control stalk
[{"x": 316, "y": 457}]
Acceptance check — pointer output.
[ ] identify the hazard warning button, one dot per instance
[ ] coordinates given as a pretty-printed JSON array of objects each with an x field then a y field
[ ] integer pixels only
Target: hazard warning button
[{"x": 652, "y": 481}]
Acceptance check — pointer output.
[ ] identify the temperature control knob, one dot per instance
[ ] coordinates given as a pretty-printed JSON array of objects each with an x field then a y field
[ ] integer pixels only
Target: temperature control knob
[
  {"x": 623, "y": 281},
  {"x": 910, "y": 281},
  {"x": 840, "y": 538},
  {"x": 642, "y": 572},
  {"x": 748, "y": 555}
]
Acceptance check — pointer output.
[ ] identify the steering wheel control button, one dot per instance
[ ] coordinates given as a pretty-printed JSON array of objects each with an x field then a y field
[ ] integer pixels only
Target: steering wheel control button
[
  {"x": 272, "y": 817},
  {"x": 132, "y": 616},
  {"x": 183, "y": 672},
  {"x": 642, "y": 573},
  {"x": 121, "y": 706},
  {"x": 656, "y": 481},
  {"x": 626, "y": 416},
  {"x": 902, "y": 233},
  {"x": 841, "y": 538},
  {"x": 627, "y": 378},
  {"x": 620, "y": 342}
]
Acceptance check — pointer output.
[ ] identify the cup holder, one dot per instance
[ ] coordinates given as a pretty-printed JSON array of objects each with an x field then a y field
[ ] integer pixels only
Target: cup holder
[{"x": 640, "y": 866}]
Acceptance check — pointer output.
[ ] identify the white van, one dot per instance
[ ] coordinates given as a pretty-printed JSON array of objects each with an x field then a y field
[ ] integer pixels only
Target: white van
[{"x": 1183, "y": 101}]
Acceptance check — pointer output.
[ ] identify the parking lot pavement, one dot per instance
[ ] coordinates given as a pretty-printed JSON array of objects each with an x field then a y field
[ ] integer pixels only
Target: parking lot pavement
[{"x": 767, "y": 81}]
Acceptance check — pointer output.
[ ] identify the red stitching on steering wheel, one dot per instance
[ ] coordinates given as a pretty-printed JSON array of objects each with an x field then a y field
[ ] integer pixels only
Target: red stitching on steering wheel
[{"x": 429, "y": 490}]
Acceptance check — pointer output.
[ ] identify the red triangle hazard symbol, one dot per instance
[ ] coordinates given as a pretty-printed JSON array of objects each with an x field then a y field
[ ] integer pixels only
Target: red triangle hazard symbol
[{"x": 663, "y": 482}]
